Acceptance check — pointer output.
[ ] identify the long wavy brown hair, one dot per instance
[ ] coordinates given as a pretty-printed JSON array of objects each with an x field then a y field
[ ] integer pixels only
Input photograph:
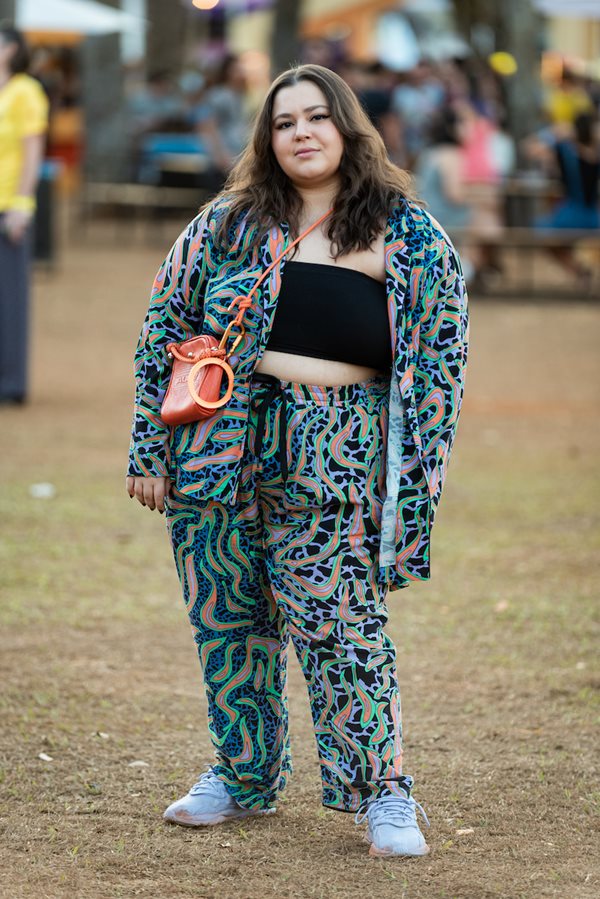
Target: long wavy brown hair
[{"x": 369, "y": 183}]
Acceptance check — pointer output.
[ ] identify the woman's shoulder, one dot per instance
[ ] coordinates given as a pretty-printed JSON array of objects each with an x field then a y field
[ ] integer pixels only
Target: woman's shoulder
[
  {"x": 24, "y": 87},
  {"x": 207, "y": 229},
  {"x": 24, "y": 101},
  {"x": 412, "y": 222},
  {"x": 209, "y": 218}
]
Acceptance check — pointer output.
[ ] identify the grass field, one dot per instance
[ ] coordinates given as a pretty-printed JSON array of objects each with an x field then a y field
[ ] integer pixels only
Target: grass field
[{"x": 498, "y": 653}]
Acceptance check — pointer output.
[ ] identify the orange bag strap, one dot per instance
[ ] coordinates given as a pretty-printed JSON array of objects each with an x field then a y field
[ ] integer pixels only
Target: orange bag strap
[{"x": 245, "y": 302}]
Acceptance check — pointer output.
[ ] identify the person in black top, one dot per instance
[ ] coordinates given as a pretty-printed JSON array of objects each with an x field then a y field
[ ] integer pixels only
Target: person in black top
[{"x": 298, "y": 505}]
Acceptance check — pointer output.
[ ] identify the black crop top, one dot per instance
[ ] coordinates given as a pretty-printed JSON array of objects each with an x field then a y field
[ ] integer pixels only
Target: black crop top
[{"x": 331, "y": 312}]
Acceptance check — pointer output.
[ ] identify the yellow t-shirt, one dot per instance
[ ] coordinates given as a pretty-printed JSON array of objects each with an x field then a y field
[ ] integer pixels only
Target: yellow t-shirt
[
  {"x": 23, "y": 112},
  {"x": 565, "y": 106}
]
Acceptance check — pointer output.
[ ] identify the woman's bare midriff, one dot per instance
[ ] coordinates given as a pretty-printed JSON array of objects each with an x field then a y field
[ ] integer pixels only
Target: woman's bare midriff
[{"x": 306, "y": 370}]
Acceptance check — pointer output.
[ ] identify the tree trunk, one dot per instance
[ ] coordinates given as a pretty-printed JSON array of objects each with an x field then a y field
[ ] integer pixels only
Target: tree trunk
[
  {"x": 106, "y": 133},
  {"x": 8, "y": 11},
  {"x": 170, "y": 25},
  {"x": 520, "y": 30},
  {"x": 285, "y": 40},
  {"x": 517, "y": 27}
]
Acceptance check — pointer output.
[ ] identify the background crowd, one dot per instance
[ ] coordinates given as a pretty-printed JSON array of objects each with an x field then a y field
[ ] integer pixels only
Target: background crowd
[{"x": 444, "y": 121}]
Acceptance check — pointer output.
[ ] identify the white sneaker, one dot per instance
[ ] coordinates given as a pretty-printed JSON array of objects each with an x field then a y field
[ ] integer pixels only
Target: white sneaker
[
  {"x": 208, "y": 802},
  {"x": 392, "y": 826}
]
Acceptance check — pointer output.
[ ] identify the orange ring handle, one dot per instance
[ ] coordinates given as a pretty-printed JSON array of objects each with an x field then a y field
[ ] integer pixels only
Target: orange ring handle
[{"x": 210, "y": 360}]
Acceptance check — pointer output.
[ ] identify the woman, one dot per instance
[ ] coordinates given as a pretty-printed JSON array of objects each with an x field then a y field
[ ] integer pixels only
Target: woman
[
  {"x": 575, "y": 157},
  {"x": 484, "y": 158},
  {"x": 221, "y": 118},
  {"x": 440, "y": 175},
  {"x": 440, "y": 179},
  {"x": 23, "y": 121},
  {"x": 293, "y": 509}
]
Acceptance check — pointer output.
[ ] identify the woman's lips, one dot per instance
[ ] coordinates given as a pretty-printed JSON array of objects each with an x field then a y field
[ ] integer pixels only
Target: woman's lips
[{"x": 306, "y": 152}]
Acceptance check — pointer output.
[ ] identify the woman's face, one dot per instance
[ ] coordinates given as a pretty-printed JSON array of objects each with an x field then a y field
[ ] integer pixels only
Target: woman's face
[{"x": 306, "y": 143}]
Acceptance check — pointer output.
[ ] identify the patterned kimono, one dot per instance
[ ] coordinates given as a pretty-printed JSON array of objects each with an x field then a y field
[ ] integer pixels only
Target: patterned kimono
[
  {"x": 268, "y": 553},
  {"x": 428, "y": 319}
]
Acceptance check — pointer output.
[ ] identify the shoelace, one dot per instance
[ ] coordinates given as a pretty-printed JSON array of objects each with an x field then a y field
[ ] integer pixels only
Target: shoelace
[
  {"x": 394, "y": 809},
  {"x": 208, "y": 783}
]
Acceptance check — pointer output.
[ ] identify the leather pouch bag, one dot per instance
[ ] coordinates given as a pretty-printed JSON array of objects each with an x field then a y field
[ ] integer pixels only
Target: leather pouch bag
[
  {"x": 199, "y": 365},
  {"x": 198, "y": 369}
]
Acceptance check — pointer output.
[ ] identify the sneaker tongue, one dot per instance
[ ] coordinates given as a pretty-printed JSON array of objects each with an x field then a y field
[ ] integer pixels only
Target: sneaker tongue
[
  {"x": 208, "y": 783},
  {"x": 392, "y": 810}
]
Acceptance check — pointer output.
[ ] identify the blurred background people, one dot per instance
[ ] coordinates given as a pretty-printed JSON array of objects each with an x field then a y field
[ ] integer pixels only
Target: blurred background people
[
  {"x": 567, "y": 100},
  {"x": 156, "y": 105},
  {"x": 440, "y": 177},
  {"x": 222, "y": 117},
  {"x": 372, "y": 84},
  {"x": 574, "y": 157},
  {"x": 487, "y": 157},
  {"x": 416, "y": 101},
  {"x": 439, "y": 172},
  {"x": 153, "y": 107},
  {"x": 23, "y": 124}
]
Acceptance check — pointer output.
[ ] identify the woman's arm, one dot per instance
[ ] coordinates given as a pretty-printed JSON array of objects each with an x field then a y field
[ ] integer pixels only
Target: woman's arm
[
  {"x": 450, "y": 168},
  {"x": 175, "y": 314},
  {"x": 440, "y": 300},
  {"x": 20, "y": 214}
]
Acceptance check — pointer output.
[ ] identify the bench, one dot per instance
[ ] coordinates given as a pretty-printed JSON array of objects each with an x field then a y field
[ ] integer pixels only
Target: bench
[
  {"x": 149, "y": 203},
  {"x": 140, "y": 196},
  {"x": 528, "y": 246}
]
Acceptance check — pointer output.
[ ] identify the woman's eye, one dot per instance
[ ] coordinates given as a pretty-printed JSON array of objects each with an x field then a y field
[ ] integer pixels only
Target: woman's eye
[{"x": 315, "y": 118}]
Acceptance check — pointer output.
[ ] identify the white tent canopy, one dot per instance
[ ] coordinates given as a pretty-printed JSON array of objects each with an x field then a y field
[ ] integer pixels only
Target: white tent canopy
[{"x": 81, "y": 16}]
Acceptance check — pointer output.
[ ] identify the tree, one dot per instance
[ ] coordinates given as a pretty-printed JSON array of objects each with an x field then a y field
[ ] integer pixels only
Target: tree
[
  {"x": 169, "y": 25},
  {"x": 285, "y": 42},
  {"x": 519, "y": 29},
  {"x": 7, "y": 10},
  {"x": 515, "y": 27},
  {"x": 106, "y": 135}
]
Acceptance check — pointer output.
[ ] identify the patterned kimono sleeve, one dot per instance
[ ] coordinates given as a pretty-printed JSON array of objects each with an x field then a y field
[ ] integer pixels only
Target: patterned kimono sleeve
[
  {"x": 175, "y": 313},
  {"x": 443, "y": 330}
]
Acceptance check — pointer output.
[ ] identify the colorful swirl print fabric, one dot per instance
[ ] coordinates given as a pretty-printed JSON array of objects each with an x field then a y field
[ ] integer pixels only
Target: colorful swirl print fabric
[
  {"x": 297, "y": 558},
  {"x": 427, "y": 310}
]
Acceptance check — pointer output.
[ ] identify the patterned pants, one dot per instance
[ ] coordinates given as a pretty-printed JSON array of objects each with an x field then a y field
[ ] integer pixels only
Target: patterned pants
[{"x": 296, "y": 558}]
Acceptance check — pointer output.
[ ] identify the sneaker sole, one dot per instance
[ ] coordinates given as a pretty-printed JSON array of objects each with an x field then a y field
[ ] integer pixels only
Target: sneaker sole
[
  {"x": 385, "y": 853},
  {"x": 189, "y": 821}
]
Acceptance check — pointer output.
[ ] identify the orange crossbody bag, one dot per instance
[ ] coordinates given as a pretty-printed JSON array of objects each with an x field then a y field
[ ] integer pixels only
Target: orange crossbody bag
[{"x": 202, "y": 378}]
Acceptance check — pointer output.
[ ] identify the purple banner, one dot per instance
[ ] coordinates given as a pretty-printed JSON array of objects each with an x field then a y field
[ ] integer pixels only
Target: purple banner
[{"x": 247, "y": 5}]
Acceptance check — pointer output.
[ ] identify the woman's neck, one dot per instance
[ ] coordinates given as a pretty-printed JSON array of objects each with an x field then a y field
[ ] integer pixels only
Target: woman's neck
[{"x": 317, "y": 200}]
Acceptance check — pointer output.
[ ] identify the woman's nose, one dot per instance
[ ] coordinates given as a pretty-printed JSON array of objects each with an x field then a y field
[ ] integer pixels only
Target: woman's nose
[{"x": 302, "y": 128}]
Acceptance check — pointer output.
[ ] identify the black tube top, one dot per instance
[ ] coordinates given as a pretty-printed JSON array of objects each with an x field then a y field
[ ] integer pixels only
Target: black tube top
[{"x": 331, "y": 312}]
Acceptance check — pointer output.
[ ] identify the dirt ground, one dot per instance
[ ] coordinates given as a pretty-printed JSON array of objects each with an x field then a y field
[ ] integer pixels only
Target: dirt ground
[{"x": 497, "y": 653}]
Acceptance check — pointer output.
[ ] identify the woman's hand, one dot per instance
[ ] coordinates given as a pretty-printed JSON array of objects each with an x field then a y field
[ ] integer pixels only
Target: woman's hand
[
  {"x": 16, "y": 222},
  {"x": 150, "y": 492}
]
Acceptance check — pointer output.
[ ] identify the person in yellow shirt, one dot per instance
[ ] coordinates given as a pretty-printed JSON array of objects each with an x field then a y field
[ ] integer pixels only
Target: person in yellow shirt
[
  {"x": 23, "y": 123},
  {"x": 568, "y": 100}
]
